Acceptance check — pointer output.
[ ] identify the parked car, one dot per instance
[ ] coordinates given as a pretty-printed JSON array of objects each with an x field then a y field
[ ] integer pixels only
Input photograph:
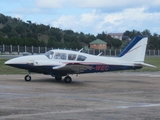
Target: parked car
[{"x": 26, "y": 53}]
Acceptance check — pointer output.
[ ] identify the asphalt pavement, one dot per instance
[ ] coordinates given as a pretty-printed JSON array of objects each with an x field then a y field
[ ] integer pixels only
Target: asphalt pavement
[{"x": 98, "y": 96}]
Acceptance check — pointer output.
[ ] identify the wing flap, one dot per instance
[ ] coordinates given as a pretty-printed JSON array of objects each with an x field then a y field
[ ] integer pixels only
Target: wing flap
[
  {"x": 74, "y": 67},
  {"x": 59, "y": 67}
]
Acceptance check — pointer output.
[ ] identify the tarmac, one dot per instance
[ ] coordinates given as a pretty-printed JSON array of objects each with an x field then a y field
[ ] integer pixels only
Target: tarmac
[{"x": 97, "y": 96}]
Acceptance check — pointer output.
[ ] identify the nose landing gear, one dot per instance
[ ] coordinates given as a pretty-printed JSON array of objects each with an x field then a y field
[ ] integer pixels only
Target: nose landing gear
[{"x": 27, "y": 77}]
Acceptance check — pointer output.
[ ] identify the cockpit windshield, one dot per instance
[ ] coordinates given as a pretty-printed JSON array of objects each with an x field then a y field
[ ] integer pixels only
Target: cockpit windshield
[{"x": 49, "y": 54}]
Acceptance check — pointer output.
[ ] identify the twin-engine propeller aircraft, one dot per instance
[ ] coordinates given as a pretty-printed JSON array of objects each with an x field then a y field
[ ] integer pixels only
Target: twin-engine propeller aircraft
[{"x": 58, "y": 63}]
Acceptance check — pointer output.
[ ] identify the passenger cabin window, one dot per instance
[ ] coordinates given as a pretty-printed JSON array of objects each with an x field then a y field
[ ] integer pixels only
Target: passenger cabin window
[
  {"x": 81, "y": 58},
  {"x": 72, "y": 56},
  {"x": 49, "y": 54},
  {"x": 61, "y": 56}
]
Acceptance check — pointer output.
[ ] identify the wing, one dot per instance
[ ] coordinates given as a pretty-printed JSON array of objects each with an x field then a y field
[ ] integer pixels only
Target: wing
[
  {"x": 73, "y": 67},
  {"x": 59, "y": 66}
]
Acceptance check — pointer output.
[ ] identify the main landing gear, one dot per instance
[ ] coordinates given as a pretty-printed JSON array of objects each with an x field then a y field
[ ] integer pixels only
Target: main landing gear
[
  {"x": 27, "y": 77},
  {"x": 67, "y": 79},
  {"x": 58, "y": 77}
]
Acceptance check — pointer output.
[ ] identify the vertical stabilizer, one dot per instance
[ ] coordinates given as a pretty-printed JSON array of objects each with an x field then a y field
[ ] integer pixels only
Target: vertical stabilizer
[{"x": 135, "y": 50}]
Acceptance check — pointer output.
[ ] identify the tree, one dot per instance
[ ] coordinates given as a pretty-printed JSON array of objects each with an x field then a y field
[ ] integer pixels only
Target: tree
[
  {"x": 102, "y": 36},
  {"x": 51, "y": 41},
  {"x": 111, "y": 42},
  {"x": 19, "y": 29},
  {"x": 146, "y": 33},
  {"x": 116, "y": 43},
  {"x": 3, "y": 19},
  {"x": 29, "y": 21},
  {"x": 6, "y": 29}
]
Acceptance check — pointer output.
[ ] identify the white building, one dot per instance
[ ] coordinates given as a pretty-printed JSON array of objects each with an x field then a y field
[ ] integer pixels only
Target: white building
[{"x": 116, "y": 35}]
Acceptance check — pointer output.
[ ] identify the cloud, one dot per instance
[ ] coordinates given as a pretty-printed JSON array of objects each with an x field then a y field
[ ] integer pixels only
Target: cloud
[
  {"x": 18, "y": 16},
  {"x": 96, "y": 22},
  {"x": 50, "y": 3},
  {"x": 155, "y": 2},
  {"x": 89, "y": 3},
  {"x": 28, "y": 11},
  {"x": 66, "y": 22},
  {"x": 82, "y": 23},
  {"x": 130, "y": 19},
  {"x": 101, "y": 4},
  {"x": 91, "y": 16}
]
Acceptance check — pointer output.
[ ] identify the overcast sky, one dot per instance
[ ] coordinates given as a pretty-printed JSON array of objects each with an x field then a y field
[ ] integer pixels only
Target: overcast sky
[{"x": 88, "y": 16}]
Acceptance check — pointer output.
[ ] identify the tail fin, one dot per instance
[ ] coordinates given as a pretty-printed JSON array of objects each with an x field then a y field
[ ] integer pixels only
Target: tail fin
[{"x": 135, "y": 51}]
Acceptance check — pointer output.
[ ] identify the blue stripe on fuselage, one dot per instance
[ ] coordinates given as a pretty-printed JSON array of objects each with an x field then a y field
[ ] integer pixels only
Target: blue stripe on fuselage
[
  {"x": 41, "y": 69},
  {"x": 94, "y": 68}
]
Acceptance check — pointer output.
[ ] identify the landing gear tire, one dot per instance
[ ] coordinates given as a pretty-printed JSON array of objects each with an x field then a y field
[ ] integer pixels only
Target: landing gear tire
[
  {"x": 58, "y": 78},
  {"x": 67, "y": 79},
  {"x": 27, "y": 78}
]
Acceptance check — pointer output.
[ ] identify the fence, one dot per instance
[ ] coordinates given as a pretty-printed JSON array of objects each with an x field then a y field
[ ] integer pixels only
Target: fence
[{"x": 9, "y": 49}]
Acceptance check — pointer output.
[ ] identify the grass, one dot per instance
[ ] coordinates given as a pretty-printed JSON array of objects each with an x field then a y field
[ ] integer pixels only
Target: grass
[
  {"x": 153, "y": 61},
  {"x": 4, "y": 69}
]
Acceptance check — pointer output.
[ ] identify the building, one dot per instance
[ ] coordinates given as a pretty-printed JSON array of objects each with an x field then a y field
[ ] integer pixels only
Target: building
[
  {"x": 116, "y": 35},
  {"x": 98, "y": 44}
]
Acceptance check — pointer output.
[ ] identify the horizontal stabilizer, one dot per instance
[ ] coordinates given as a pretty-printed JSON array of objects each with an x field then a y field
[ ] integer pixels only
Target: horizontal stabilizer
[{"x": 144, "y": 64}]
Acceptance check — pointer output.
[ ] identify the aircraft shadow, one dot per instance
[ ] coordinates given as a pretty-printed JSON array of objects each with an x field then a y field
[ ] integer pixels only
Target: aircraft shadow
[{"x": 53, "y": 81}]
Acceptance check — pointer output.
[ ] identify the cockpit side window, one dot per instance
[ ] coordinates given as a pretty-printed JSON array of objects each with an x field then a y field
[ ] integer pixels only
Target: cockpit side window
[
  {"x": 49, "y": 54},
  {"x": 72, "y": 56},
  {"x": 61, "y": 56},
  {"x": 81, "y": 58}
]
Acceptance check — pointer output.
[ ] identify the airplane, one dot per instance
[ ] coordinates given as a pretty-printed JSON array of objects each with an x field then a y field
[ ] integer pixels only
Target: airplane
[{"x": 59, "y": 63}]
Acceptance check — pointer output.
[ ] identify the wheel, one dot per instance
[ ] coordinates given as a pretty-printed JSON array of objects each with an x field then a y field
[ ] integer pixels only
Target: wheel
[
  {"x": 67, "y": 79},
  {"x": 58, "y": 78},
  {"x": 27, "y": 78}
]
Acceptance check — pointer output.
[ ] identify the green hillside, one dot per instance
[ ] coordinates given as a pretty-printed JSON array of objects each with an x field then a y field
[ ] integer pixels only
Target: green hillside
[{"x": 14, "y": 31}]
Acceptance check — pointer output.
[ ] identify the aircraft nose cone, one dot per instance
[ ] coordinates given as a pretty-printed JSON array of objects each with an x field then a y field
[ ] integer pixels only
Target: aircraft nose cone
[
  {"x": 11, "y": 62},
  {"x": 7, "y": 62}
]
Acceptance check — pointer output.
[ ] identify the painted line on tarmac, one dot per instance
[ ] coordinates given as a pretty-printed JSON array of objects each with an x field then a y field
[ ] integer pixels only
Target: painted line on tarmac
[{"x": 139, "y": 106}]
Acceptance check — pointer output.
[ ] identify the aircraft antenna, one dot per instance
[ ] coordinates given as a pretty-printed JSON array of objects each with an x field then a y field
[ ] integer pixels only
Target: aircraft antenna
[
  {"x": 99, "y": 54},
  {"x": 80, "y": 50}
]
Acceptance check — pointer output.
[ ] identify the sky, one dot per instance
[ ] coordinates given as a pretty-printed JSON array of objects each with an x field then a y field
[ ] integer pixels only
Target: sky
[{"x": 88, "y": 16}]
